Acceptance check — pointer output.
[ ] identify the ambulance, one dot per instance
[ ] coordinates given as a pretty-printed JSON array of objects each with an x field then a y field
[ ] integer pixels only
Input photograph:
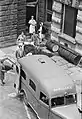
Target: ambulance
[{"x": 47, "y": 87}]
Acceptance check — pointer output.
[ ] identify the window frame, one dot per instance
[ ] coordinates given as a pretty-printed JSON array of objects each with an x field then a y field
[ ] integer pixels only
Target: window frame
[
  {"x": 23, "y": 74},
  {"x": 32, "y": 85},
  {"x": 56, "y": 98},
  {"x": 48, "y": 11},
  {"x": 75, "y": 12},
  {"x": 64, "y": 99},
  {"x": 42, "y": 100}
]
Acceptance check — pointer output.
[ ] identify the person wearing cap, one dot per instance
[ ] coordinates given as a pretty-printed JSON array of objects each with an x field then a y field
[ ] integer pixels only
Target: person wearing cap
[
  {"x": 20, "y": 50},
  {"x": 35, "y": 39},
  {"x": 32, "y": 23},
  {"x": 21, "y": 38},
  {"x": 40, "y": 30},
  {"x": 4, "y": 67}
]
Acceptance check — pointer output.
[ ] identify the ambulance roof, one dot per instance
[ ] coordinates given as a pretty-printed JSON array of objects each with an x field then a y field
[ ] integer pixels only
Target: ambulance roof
[{"x": 51, "y": 77}]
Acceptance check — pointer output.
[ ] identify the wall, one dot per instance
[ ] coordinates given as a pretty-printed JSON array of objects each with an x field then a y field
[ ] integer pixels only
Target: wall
[
  {"x": 79, "y": 30},
  {"x": 21, "y": 16},
  {"x": 12, "y": 20},
  {"x": 8, "y": 22},
  {"x": 56, "y": 20}
]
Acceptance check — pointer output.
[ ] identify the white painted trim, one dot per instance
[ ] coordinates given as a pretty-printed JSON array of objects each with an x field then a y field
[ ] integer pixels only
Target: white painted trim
[
  {"x": 55, "y": 19},
  {"x": 79, "y": 29}
]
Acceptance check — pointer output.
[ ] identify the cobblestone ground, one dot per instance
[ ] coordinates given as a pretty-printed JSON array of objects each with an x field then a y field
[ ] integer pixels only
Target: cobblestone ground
[{"x": 10, "y": 105}]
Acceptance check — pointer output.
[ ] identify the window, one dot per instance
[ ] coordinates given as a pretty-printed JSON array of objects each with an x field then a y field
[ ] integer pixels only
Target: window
[
  {"x": 69, "y": 20},
  {"x": 17, "y": 69},
  {"x": 57, "y": 101},
  {"x": 49, "y": 17},
  {"x": 70, "y": 99},
  {"x": 44, "y": 98},
  {"x": 23, "y": 74},
  {"x": 49, "y": 4},
  {"x": 49, "y": 10},
  {"x": 32, "y": 84},
  {"x": 63, "y": 100}
]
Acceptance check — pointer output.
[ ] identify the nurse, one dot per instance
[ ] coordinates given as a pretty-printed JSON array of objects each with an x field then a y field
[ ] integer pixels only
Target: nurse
[{"x": 32, "y": 23}]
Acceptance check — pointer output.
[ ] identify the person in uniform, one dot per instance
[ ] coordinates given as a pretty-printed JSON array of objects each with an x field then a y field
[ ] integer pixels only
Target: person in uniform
[
  {"x": 4, "y": 67},
  {"x": 35, "y": 39},
  {"x": 21, "y": 38},
  {"x": 32, "y": 23},
  {"x": 20, "y": 50},
  {"x": 40, "y": 31}
]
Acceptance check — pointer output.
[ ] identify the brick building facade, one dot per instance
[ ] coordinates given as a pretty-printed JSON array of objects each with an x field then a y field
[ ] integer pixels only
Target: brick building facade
[
  {"x": 14, "y": 16},
  {"x": 67, "y": 24}
]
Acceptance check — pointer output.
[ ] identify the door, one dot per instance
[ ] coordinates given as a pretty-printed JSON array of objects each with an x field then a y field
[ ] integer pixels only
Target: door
[
  {"x": 31, "y": 9},
  {"x": 43, "y": 106}
]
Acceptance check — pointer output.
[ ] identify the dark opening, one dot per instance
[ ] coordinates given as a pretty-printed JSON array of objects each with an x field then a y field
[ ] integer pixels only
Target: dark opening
[
  {"x": 30, "y": 11},
  {"x": 70, "y": 21}
]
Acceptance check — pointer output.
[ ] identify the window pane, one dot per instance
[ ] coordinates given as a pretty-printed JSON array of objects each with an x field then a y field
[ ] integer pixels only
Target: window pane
[
  {"x": 23, "y": 74},
  {"x": 49, "y": 4},
  {"x": 70, "y": 21},
  {"x": 49, "y": 17},
  {"x": 57, "y": 101},
  {"x": 70, "y": 99},
  {"x": 44, "y": 98},
  {"x": 31, "y": 83}
]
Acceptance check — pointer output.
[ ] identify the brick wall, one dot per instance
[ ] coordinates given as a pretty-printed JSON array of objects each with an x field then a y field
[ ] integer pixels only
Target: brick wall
[
  {"x": 21, "y": 16},
  {"x": 12, "y": 20},
  {"x": 8, "y": 22}
]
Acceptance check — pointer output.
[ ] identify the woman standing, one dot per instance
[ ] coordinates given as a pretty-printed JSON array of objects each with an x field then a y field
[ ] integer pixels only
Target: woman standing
[{"x": 32, "y": 23}]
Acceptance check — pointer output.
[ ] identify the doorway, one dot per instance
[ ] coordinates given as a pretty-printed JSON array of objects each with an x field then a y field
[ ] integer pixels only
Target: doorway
[{"x": 31, "y": 10}]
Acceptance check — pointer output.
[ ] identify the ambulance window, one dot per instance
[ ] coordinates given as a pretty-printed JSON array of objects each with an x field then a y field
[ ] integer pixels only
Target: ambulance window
[
  {"x": 32, "y": 84},
  {"x": 23, "y": 74},
  {"x": 44, "y": 98},
  {"x": 17, "y": 70},
  {"x": 57, "y": 101},
  {"x": 70, "y": 99}
]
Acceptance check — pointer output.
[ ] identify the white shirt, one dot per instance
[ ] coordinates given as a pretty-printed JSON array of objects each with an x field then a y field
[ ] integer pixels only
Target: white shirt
[{"x": 32, "y": 23}]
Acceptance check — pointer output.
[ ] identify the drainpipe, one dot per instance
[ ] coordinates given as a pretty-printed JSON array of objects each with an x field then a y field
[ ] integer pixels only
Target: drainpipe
[
  {"x": 78, "y": 84},
  {"x": 63, "y": 19}
]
